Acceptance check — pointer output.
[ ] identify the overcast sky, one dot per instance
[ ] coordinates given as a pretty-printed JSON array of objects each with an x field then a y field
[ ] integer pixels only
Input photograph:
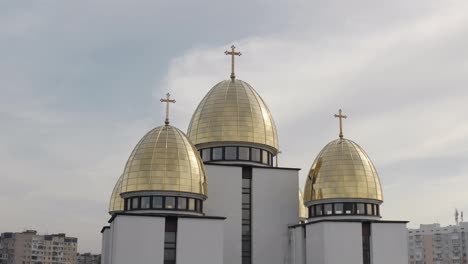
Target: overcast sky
[{"x": 80, "y": 83}]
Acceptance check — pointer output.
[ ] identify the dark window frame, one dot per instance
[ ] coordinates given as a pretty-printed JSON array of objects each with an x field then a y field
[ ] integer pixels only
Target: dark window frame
[
  {"x": 213, "y": 151},
  {"x": 170, "y": 227},
  {"x": 269, "y": 159},
  {"x": 198, "y": 208},
  {"x": 246, "y": 220},
  {"x": 366, "y": 242},
  {"x": 313, "y": 210}
]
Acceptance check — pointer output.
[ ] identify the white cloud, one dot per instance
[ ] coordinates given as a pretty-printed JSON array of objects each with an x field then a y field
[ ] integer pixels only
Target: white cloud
[{"x": 401, "y": 87}]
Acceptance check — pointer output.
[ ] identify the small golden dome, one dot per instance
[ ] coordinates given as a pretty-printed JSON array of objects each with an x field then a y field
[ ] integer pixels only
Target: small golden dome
[
  {"x": 302, "y": 209},
  {"x": 342, "y": 170},
  {"x": 163, "y": 160},
  {"x": 116, "y": 202},
  {"x": 232, "y": 111}
]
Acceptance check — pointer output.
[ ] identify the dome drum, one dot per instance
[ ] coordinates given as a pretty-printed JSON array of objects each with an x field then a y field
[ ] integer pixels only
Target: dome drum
[
  {"x": 344, "y": 209},
  {"x": 237, "y": 153},
  {"x": 164, "y": 204}
]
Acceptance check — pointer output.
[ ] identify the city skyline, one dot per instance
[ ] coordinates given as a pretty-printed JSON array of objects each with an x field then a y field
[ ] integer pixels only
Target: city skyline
[{"x": 81, "y": 83}]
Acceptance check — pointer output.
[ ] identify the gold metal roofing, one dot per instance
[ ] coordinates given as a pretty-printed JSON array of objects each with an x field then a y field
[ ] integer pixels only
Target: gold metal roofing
[
  {"x": 116, "y": 202},
  {"x": 342, "y": 170},
  {"x": 232, "y": 111},
  {"x": 302, "y": 209},
  {"x": 163, "y": 160}
]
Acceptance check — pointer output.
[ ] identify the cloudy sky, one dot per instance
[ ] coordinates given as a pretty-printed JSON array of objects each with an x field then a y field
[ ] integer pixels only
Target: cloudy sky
[{"x": 80, "y": 83}]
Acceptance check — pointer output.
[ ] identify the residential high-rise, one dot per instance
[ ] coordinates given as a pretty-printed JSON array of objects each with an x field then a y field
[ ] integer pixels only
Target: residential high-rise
[
  {"x": 433, "y": 244},
  {"x": 88, "y": 258},
  {"x": 30, "y": 248}
]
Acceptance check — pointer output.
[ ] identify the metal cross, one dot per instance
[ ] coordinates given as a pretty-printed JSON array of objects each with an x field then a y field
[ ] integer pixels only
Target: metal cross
[
  {"x": 341, "y": 116},
  {"x": 232, "y": 53},
  {"x": 167, "y": 101}
]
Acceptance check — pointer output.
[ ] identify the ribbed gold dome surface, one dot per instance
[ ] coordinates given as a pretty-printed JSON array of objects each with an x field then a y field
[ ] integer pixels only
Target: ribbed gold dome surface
[
  {"x": 163, "y": 160},
  {"x": 302, "y": 209},
  {"x": 116, "y": 202},
  {"x": 232, "y": 111},
  {"x": 342, "y": 170}
]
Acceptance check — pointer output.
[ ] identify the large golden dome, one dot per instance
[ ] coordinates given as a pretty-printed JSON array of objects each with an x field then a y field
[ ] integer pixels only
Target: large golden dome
[
  {"x": 163, "y": 160},
  {"x": 233, "y": 112},
  {"x": 116, "y": 202},
  {"x": 342, "y": 170}
]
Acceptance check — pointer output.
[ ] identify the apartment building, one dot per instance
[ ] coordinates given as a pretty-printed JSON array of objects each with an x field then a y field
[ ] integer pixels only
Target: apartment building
[
  {"x": 30, "y": 248},
  {"x": 434, "y": 244},
  {"x": 88, "y": 258}
]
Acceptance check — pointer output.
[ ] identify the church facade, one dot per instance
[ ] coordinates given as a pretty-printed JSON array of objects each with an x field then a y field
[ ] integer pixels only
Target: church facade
[{"x": 216, "y": 195}]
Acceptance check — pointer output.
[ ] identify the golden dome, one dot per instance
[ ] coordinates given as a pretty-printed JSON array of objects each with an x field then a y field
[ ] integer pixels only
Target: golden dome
[
  {"x": 232, "y": 111},
  {"x": 302, "y": 209},
  {"x": 116, "y": 202},
  {"x": 342, "y": 170},
  {"x": 163, "y": 160}
]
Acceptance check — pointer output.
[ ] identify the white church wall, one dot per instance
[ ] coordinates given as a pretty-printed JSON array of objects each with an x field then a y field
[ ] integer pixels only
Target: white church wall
[
  {"x": 389, "y": 243},
  {"x": 274, "y": 207},
  {"x": 106, "y": 246},
  {"x": 334, "y": 242},
  {"x": 224, "y": 199},
  {"x": 200, "y": 241},
  {"x": 138, "y": 239},
  {"x": 297, "y": 245}
]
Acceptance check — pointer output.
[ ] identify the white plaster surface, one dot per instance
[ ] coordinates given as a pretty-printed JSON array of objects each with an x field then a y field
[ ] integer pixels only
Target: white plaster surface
[
  {"x": 389, "y": 243},
  {"x": 297, "y": 246},
  {"x": 200, "y": 241},
  {"x": 138, "y": 239},
  {"x": 274, "y": 207},
  {"x": 334, "y": 243},
  {"x": 106, "y": 246},
  {"x": 224, "y": 199}
]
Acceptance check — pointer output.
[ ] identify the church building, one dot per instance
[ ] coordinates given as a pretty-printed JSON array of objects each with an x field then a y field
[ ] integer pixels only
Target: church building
[{"x": 215, "y": 194}]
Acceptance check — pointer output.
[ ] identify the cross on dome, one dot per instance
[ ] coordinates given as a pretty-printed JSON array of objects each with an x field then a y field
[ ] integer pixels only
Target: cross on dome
[
  {"x": 232, "y": 53},
  {"x": 167, "y": 101},
  {"x": 341, "y": 116}
]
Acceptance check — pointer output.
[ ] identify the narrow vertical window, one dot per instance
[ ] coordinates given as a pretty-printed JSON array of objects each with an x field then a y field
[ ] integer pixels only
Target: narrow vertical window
[
  {"x": 129, "y": 204},
  {"x": 170, "y": 203},
  {"x": 230, "y": 153},
  {"x": 206, "y": 154},
  {"x": 369, "y": 209},
  {"x": 264, "y": 157},
  {"x": 135, "y": 203},
  {"x": 319, "y": 209},
  {"x": 311, "y": 211},
  {"x": 217, "y": 153},
  {"x": 145, "y": 202},
  {"x": 244, "y": 153},
  {"x": 246, "y": 215},
  {"x": 256, "y": 155},
  {"x": 170, "y": 240},
  {"x": 191, "y": 205},
  {"x": 348, "y": 208},
  {"x": 360, "y": 208},
  {"x": 366, "y": 234},
  {"x": 157, "y": 202},
  {"x": 338, "y": 208},
  {"x": 182, "y": 203}
]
